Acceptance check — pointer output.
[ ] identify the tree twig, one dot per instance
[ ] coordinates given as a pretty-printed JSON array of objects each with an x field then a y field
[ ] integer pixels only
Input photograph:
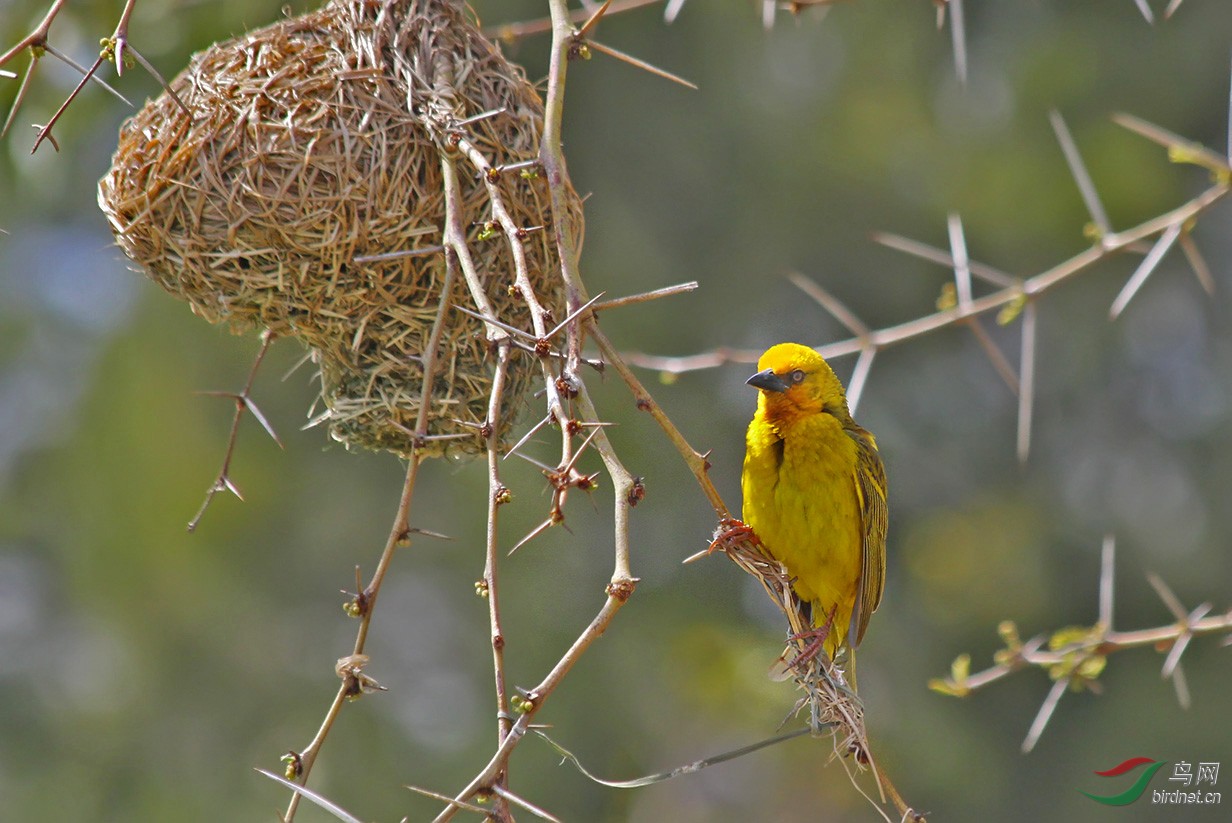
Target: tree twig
[
  {"x": 1074, "y": 657},
  {"x": 243, "y": 403},
  {"x": 364, "y": 603}
]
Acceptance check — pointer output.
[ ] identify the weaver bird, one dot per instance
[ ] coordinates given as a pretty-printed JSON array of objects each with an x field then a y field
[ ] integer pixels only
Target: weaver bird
[{"x": 815, "y": 494}]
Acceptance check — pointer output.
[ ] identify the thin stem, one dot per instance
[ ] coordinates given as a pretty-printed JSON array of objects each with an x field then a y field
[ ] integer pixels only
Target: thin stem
[
  {"x": 644, "y": 297},
  {"x": 1033, "y": 286},
  {"x": 38, "y": 37},
  {"x": 456, "y": 237},
  {"x": 90, "y": 74},
  {"x": 536, "y": 697},
  {"x": 496, "y": 498},
  {"x": 400, "y": 531},
  {"x": 1111, "y": 642},
  {"x": 498, "y": 495},
  {"x": 511, "y": 32},
  {"x": 243, "y": 403},
  {"x": 309, "y": 755},
  {"x": 625, "y": 498},
  {"x": 697, "y": 462},
  {"x": 552, "y": 159},
  {"x": 368, "y": 596},
  {"x": 489, "y": 772},
  {"x": 45, "y": 131}
]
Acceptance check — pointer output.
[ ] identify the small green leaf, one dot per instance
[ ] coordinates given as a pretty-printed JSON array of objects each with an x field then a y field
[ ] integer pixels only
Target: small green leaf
[
  {"x": 1010, "y": 311},
  {"x": 1092, "y": 667},
  {"x": 1070, "y": 635},
  {"x": 960, "y": 669},
  {"x": 941, "y": 686},
  {"x": 948, "y": 298},
  {"x": 1008, "y": 630}
]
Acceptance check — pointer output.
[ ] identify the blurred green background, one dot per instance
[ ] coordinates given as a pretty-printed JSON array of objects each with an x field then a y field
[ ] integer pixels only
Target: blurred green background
[{"x": 145, "y": 671}]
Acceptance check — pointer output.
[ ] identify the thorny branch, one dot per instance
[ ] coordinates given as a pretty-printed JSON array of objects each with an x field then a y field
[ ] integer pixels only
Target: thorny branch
[
  {"x": 540, "y": 316},
  {"x": 626, "y": 488},
  {"x": 581, "y": 320},
  {"x": 38, "y": 37},
  {"x": 243, "y": 403},
  {"x": 354, "y": 682},
  {"x": 1074, "y": 657},
  {"x": 1013, "y": 297},
  {"x": 512, "y": 32},
  {"x": 562, "y": 382},
  {"x": 350, "y": 669},
  {"x": 567, "y": 396},
  {"x": 488, "y": 586},
  {"x": 115, "y": 48}
]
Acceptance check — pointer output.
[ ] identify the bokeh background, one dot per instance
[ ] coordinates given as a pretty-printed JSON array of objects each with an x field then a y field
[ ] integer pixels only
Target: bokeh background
[{"x": 144, "y": 671}]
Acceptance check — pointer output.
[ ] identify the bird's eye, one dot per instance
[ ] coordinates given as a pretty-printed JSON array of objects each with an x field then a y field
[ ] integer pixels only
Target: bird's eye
[{"x": 797, "y": 376}]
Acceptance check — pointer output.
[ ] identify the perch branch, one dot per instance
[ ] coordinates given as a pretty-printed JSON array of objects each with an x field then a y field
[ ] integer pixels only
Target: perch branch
[{"x": 697, "y": 462}]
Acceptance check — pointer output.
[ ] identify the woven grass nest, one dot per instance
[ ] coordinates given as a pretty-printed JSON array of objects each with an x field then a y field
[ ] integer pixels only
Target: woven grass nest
[{"x": 316, "y": 141}]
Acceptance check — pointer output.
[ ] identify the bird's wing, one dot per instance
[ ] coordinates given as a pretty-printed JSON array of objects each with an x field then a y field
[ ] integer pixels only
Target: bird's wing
[{"x": 870, "y": 483}]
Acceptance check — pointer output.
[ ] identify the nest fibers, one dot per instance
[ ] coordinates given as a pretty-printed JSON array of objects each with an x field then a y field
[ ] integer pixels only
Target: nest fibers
[{"x": 317, "y": 141}]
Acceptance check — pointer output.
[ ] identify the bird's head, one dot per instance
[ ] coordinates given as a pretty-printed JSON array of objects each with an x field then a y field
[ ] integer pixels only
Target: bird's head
[{"x": 794, "y": 380}]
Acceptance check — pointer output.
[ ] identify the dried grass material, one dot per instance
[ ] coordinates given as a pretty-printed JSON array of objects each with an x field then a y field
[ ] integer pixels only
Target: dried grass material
[
  {"x": 829, "y": 701},
  {"x": 316, "y": 141}
]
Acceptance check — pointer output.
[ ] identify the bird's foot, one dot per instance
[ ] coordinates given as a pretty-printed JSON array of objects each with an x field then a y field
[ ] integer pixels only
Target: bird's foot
[
  {"x": 816, "y": 641},
  {"x": 730, "y": 531}
]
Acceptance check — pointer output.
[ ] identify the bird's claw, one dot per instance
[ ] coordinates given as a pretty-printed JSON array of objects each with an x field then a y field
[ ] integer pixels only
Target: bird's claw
[
  {"x": 730, "y": 530},
  {"x": 816, "y": 638}
]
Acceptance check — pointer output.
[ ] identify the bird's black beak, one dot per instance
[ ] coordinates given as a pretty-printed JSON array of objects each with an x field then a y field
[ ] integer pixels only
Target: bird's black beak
[{"x": 768, "y": 381}]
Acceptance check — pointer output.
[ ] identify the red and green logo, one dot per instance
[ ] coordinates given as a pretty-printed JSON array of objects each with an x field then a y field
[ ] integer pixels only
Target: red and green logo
[{"x": 1133, "y": 792}]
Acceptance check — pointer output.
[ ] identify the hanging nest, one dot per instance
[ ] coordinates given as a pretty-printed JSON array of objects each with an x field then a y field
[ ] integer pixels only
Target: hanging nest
[{"x": 314, "y": 145}]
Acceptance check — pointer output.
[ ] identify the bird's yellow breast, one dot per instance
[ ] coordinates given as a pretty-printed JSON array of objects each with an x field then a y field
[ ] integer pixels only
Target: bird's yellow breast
[{"x": 800, "y": 498}]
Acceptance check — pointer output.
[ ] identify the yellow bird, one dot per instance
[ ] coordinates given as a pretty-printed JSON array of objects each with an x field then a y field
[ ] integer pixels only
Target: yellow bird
[{"x": 815, "y": 493}]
